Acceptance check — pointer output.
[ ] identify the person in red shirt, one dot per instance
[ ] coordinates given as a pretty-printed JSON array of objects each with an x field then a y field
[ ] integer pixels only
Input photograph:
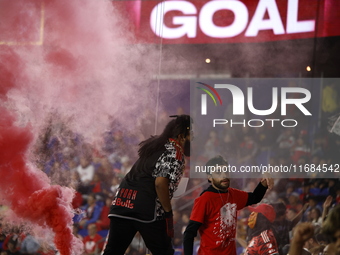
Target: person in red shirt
[
  {"x": 103, "y": 222},
  {"x": 93, "y": 242},
  {"x": 214, "y": 214},
  {"x": 261, "y": 235}
]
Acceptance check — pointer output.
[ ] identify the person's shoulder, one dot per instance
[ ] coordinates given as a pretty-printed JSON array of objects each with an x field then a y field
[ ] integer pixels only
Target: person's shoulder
[
  {"x": 98, "y": 237},
  {"x": 86, "y": 239},
  {"x": 205, "y": 194},
  {"x": 235, "y": 191},
  {"x": 204, "y": 199}
]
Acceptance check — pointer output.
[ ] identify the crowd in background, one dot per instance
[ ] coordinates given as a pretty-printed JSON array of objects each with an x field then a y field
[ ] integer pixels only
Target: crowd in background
[{"x": 95, "y": 171}]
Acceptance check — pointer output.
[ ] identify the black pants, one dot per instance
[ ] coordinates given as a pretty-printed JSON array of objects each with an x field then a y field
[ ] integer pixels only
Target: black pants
[{"x": 122, "y": 232}]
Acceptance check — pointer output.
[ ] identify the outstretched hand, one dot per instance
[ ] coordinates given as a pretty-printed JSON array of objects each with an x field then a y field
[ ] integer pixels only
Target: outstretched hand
[
  {"x": 268, "y": 182},
  {"x": 328, "y": 202}
]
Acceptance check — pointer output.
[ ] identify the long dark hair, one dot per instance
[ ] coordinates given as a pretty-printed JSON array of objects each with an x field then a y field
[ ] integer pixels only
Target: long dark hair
[
  {"x": 262, "y": 224},
  {"x": 181, "y": 124}
]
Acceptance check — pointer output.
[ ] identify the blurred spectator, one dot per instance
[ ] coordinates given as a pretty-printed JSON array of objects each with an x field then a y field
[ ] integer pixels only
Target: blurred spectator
[
  {"x": 285, "y": 142},
  {"x": 93, "y": 242},
  {"x": 264, "y": 136},
  {"x": 319, "y": 147},
  {"x": 300, "y": 149},
  {"x": 114, "y": 186},
  {"x": 247, "y": 150},
  {"x": 304, "y": 191},
  {"x": 294, "y": 202},
  {"x": 333, "y": 186},
  {"x": 104, "y": 169},
  {"x": 282, "y": 226},
  {"x": 77, "y": 200},
  {"x": 289, "y": 189},
  {"x": 92, "y": 211},
  {"x": 211, "y": 146},
  {"x": 316, "y": 216},
  {"x": 126, "y": 165},
  {"x": 103, "y": 223},
  {"x": 312, "y": 202},
  {"x": 106, "y": 166},
  {"x": 86, "y": 172},
  {"x": 291, "y": 214},
  {"x": 227, "y": 146},
  {"x": 319, "y": 189},
  {"x": 96, "y": 186}
]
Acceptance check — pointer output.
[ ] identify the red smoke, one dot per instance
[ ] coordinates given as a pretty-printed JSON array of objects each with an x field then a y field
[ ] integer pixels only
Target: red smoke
[
  {"x": 73, "y": 57},
  {"x": 26, "y": 190}
]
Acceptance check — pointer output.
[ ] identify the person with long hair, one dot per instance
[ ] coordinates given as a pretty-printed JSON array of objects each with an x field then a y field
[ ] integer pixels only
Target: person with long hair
[
  {"x": 143, "y": 200},
  {"x": 260, "y": 233}
]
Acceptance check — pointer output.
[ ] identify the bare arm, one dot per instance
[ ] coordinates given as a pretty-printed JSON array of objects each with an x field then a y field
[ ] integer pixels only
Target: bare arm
[
  {"x": 298, "y": 217},
  {"x": 326, "y": 206},
  {"x": 162, "y": 190},
  {"x": 302, "y": 233}
]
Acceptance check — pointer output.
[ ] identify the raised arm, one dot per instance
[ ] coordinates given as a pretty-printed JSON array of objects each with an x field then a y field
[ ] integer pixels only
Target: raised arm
[
  {"x": 259, "y": 192},
  {"x": 326, "y": 205}
]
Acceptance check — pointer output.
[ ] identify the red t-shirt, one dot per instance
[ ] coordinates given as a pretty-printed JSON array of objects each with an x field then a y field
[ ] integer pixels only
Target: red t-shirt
[
  {"x": 218, "y": 214},
  {"x": 91, "y": 244},
  {"x": 263, "y": 244}
]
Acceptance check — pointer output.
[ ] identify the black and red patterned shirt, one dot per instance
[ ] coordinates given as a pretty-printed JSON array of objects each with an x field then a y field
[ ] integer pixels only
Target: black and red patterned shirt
[
  {"x": 170, "y": 165},
  {"x": 136, "y": 197},
  {"x": 263, "y": 244}
]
